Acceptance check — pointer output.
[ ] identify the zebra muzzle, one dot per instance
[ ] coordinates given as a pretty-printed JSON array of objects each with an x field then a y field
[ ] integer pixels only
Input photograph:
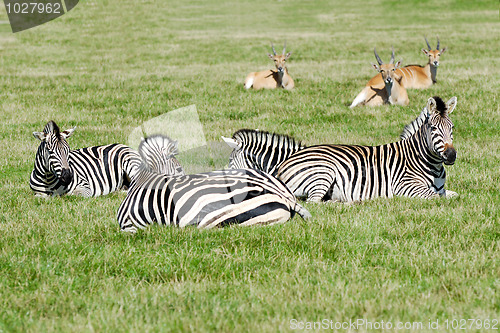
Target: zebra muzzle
[
  {"x": 450, "y": 155},
  {"x": 66, "y": 176}
]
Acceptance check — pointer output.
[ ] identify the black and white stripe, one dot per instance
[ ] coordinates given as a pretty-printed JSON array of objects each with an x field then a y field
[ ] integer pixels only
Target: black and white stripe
[
  {"x": 88, "y": 172},
  {"x": 260, "y": 150},
  {"x": 207, "y": 200},
  {"x": 411, "y": 167}
]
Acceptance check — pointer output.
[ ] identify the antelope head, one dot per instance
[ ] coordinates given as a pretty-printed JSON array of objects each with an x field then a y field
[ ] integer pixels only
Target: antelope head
[
  {"x": 433, "y": 54},
  {"x": 388, "y": 71},
  {"x": 279, "y": 60}
]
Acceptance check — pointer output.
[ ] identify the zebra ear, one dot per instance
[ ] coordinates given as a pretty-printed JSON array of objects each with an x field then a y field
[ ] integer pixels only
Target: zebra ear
[
  {"x": 450, "y": 105},
  {"x": 39, "y": 135},
  {"x": 67, "y": 133},
  {"x": 431, "y": 106},
  {"x": 175, "y": 143},
  {"x": 231, "y": 142}
]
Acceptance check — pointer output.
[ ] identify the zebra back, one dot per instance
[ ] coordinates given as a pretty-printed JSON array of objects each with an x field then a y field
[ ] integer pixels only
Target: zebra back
[
  {"x": 262, "y": 150},
  {"x": 207, "y": 200}
]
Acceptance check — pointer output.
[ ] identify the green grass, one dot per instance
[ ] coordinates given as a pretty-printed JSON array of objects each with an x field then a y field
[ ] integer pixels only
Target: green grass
[{"x": 109, "y": 66}]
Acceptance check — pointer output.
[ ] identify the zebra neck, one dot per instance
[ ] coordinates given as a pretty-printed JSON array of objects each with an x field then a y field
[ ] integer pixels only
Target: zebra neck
[{"x": 424, "y": 153}]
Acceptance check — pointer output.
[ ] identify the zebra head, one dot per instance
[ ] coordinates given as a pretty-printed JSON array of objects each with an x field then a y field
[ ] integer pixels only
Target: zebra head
[
  {"x": 441, "y": 128},
  {"x": 238, "y": 158},
  {"x": 54, "y": 151},
  {"x": 158, "y": 153}
]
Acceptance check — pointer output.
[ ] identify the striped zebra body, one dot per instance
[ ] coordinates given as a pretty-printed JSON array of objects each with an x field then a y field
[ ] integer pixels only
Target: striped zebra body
[
  {"x": 260, "y": 150},
  {"x": 412, "y": 167},
  {"x": 88, "y": 172},
  {"x": 206, "y": 200}
]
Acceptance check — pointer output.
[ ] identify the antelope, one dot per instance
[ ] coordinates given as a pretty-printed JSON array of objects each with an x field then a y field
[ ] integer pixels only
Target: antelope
[
  {"x": 416, "y": 76},
  {"x": 271, "y": 79},
  {"x": 386, "y": 87},
  {"x": 422, "y": 77}
]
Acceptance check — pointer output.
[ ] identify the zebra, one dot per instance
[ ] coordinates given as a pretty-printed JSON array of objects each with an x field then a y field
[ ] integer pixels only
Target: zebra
[
  {"x": 89, "y": 172},
  {"x": 260, "y": 150},
  {"x": 412, "y": 167},
  {"x": 207, "y": 200}
]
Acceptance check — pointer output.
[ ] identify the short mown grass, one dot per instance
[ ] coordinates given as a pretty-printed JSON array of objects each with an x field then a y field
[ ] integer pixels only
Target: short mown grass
[{"x": 107, "y": 67}]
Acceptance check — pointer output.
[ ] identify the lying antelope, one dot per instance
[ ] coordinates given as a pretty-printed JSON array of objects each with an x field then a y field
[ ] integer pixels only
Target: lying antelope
[
  {"x": 421, "y": 77},
  {"x": 416, "y": 76},
  {"x": 272, "y": 79},
  {"x": 386, "y": 87}
]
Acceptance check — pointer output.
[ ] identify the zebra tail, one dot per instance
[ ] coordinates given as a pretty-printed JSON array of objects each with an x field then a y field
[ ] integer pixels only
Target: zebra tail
[{"x": 304, "y": 213}]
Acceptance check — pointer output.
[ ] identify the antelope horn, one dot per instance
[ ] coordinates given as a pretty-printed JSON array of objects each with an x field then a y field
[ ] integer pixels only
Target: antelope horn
[
  {"x": 284, "y": 48},
  {"x": 392, "y": 55},
  {"x": 438, "y": 43},
  {"x": 428, "y": 45},
  {"x": 380, "y": 62},
  {"x": 274, "y": 51}
]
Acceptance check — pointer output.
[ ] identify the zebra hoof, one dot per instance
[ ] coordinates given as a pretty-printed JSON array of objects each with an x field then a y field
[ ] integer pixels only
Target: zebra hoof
[{"x": 451, "y": 194}]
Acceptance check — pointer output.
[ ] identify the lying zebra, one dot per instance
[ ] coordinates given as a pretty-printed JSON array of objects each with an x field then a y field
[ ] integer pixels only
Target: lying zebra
[
  {"x": 89, "y": 172},
  {"x": 411, "y": 167},
  {"x": 260, "y": 150},
  {"x": 206, "y": 200}
]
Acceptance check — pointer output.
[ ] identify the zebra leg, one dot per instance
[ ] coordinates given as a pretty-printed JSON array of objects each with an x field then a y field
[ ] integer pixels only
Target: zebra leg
[
  {"x": 42, "y": 195},
  {"x": 450, "y": 194},
  {"x": 316, "y": 195},
  {"x": 82, "y": 191},
  {"x": 127, "y": 226},
  {"x": 304, "y": 213}
]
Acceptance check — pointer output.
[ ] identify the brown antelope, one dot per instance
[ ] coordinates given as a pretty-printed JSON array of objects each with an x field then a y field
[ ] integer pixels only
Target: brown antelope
[
  {"x": 272, "y": 79},
  {"x": 416, "y": 76},
  {"x": 386, "y": 87},
  {"x": 421, "y": 77}
]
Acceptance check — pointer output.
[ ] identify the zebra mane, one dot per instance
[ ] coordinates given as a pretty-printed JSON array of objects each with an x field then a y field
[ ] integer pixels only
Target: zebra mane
[
  {"x": 413, "y": 127},
  {"x": 440, "y": 106},
  {"x": 256, "y": 138},
  {"x": 157, "y": 152},
  {"x": 52, "y": 127}
]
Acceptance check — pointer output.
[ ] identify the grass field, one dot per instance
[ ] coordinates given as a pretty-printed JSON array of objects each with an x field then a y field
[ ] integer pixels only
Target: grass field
[{"x": 109, "y": 66}]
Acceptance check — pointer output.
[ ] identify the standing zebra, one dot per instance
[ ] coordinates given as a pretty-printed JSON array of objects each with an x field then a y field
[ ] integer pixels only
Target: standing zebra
[
  {"x": 88, "y": 172},
  {"x": 411, "y": 167},
  {"x": 206, "y": 200},
  {"x": 260, "y": 150}
]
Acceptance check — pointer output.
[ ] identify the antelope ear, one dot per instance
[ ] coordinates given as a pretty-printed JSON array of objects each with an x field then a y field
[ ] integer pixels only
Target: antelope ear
[
  {"x": 450, "y": 105},
  {"x": 425, "y": 52},
  {"x": 377, "y": 68},
  {"x": 231, "y": 142},
  {"x": 270, "y": 56},
  {"x": 443, "y": 50},
  {"x": 431, "y": 106},
  {"x": 39, "y": 135},
  {"x": 398, "y": 64},
  {"x": 288, "y": 55},
  {"x": 67, "y": 133}
]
